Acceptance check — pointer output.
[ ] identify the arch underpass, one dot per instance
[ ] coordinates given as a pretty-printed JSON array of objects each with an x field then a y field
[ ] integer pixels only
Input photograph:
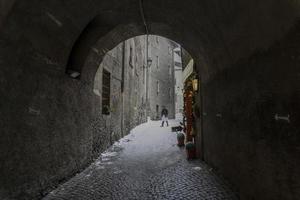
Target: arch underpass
[{"x": 246, "y": 52}]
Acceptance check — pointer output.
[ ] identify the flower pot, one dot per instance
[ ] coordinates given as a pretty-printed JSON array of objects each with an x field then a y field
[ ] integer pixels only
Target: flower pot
[
  {"x": 190, "y": 150},
  {"x": 180, "y": 139}
]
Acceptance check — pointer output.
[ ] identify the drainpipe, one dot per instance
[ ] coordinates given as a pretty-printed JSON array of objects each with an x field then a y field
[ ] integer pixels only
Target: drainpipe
[
  {"x": 147, "y": 76},
  {"x": 122, "y": 88},
  {"x": 141, "y": 5}
]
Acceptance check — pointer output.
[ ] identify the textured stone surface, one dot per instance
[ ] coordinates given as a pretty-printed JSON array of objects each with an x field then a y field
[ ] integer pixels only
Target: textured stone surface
[
  {"x": 147, "y": 164},
  {"x": 161, "y": 53},
  {"x": 48, "y": 120},
  {"x": 246, "y": 142},
  {"x": 128, "y": 107}
]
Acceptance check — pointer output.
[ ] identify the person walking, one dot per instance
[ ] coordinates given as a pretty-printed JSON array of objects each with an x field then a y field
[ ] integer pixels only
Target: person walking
[{"x": 164, "y": 117}]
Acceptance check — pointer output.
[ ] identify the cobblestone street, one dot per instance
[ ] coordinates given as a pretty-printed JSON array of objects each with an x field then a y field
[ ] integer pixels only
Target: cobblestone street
[{"x": 147, "y": 164}]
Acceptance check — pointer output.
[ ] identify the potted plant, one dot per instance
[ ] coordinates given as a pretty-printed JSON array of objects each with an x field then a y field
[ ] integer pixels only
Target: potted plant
[
  {"x": 180, "y": 139},
  {"x": 190, "y": 150}
]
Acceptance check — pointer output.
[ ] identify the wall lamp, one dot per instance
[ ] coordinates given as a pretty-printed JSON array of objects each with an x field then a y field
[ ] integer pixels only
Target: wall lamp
[
  {"x": 73, "y": 74},
  {"x": 195, "y": 84}
]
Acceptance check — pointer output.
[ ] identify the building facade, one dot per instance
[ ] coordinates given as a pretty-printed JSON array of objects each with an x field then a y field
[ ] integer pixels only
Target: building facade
[
  {"x": 121, "y": 85},
  {"x": 161, "y": 76},
  {"x": 178, "y": 81}
]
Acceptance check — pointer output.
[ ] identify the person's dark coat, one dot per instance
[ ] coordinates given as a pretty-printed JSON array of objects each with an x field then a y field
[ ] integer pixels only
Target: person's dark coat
[{"x": 164, "y": 112}]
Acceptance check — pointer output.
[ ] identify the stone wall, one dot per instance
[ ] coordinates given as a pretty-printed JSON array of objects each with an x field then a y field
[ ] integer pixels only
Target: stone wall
[
  {"x": 50, "y": 122},
  {"x": 127, "y": 110},
  {"x": 178, "y": 81},
  {"x": 161, "y": 76},
  {"x": 134, "y": 88},
  {"x": 128, "y": 107},
  {"x": 5, "y": 8},
  {"x": 251, "y": 127}
]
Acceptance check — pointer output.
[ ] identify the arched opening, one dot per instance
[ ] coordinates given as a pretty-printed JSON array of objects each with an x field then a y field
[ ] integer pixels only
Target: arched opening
[
  {"x": 135, "y": 84},
  {"x": 89, "y": 52},
  {"x": 245, "y": 52},
  {"x": 143, "y": 75}
]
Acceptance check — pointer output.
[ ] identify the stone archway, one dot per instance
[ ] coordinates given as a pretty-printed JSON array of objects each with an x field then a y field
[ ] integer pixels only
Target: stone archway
[{"x": 48, "y": 119}]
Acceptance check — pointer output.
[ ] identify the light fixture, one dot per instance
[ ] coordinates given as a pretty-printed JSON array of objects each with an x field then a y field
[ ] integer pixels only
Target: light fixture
[
  {"x": 195, "y": 85},
  {"x": 73, "y": 74},
  {"x": 149, "y": 62}
]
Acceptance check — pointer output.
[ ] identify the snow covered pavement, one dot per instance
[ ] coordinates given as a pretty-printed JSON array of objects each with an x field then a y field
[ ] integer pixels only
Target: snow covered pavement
[{"x": 146, "y": 164}]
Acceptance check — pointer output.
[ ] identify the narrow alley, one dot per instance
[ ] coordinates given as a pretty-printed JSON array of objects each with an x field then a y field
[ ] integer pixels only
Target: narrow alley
[
  {"x": 146, "y": 164},
  {"x": 84, "y": 85}
]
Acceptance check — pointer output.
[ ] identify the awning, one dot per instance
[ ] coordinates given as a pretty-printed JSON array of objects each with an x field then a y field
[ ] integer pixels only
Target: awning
[
  {"x": 177, "y": 58},
  {"x": 188, "y": 70}
]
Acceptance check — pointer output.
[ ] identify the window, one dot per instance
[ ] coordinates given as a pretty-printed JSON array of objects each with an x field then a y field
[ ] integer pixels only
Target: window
[
  {"x": 136, "y": 59},
  {"x": 157, "y": 39},
  {"x": 136, "y": 66},
  {"x": 170, "y": 93},
  {"x": 157, "y": 61},
  {"x": 130, "y": 57},
  {"x": 144, "y": 74},
  {"x": 170, "y": 70},
  {"x": 136, "y": 95},
  {"x": 106, "y": 93},
  {"x": 157, "y": 87}
]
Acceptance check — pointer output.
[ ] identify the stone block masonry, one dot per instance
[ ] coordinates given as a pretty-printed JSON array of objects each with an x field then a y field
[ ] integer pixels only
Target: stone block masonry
[{"x": 247, "y": 56}]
